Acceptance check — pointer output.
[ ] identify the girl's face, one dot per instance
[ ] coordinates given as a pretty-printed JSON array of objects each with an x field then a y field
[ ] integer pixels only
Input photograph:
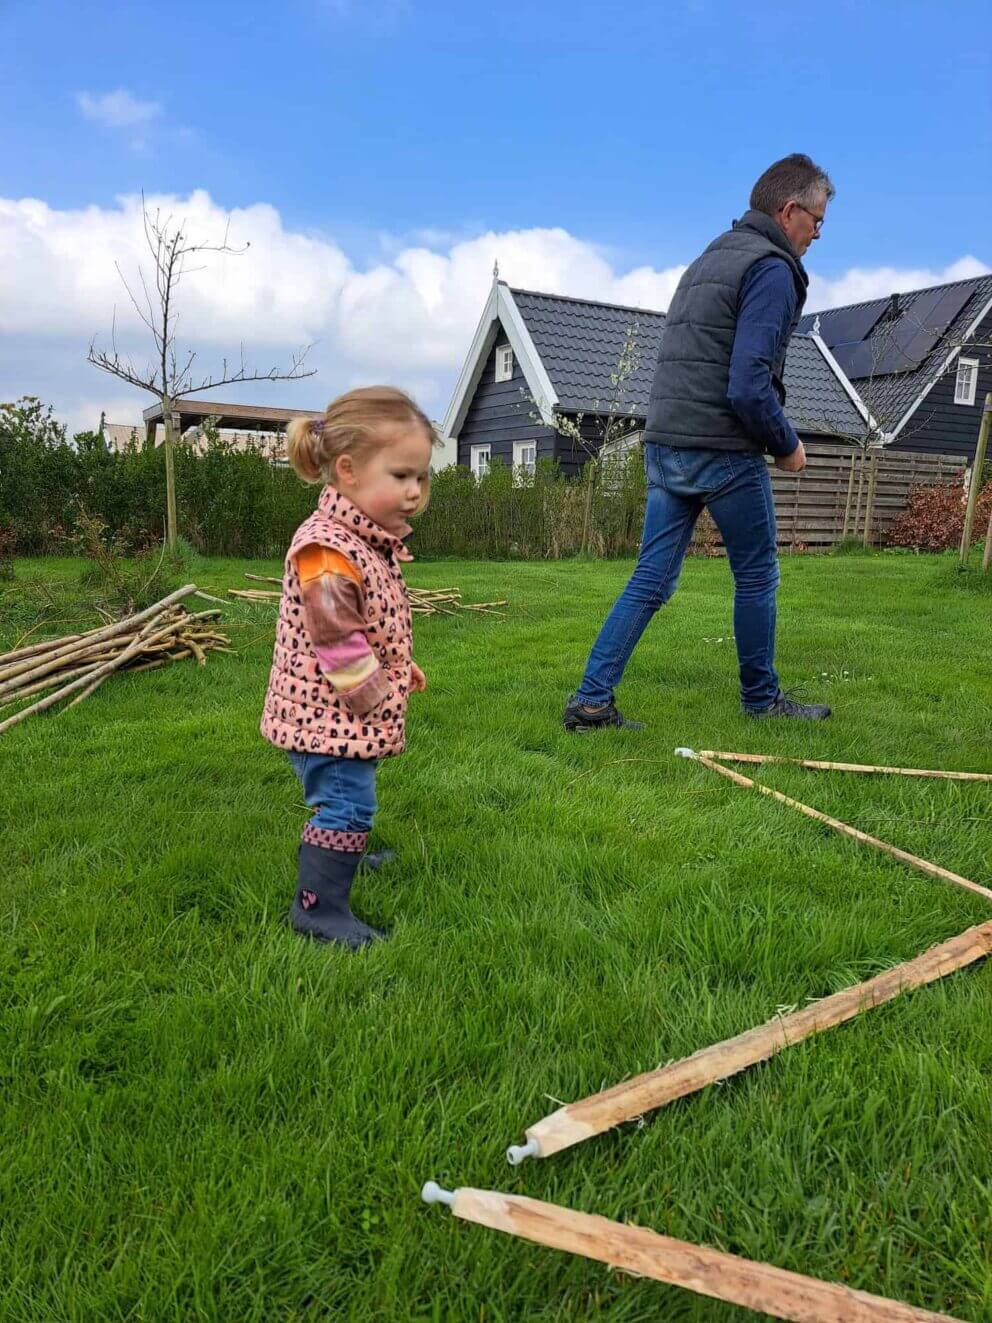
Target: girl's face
[{"x": 389, "y": 484}]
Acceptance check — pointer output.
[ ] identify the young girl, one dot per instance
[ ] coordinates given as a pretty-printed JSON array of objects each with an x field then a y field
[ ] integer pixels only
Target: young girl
[{"x": 342, "y": 668}]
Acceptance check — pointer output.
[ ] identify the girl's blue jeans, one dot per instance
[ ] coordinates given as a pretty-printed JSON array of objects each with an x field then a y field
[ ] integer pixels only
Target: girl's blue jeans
[
  {"x": 737, "y": 491},
  {"x": 341, "y": 790}
]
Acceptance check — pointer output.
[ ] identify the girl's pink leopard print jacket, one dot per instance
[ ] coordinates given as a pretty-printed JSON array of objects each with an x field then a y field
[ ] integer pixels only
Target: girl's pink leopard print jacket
[{"x": 302, "y": 710}]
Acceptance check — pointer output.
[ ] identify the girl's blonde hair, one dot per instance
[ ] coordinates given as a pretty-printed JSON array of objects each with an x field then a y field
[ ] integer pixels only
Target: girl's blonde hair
[{"x": 352, "y": 424}]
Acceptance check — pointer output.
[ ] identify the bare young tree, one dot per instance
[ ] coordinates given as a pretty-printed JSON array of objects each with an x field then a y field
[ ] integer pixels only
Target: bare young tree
[
  {"x": 612, "y": 421},
  {"x": 171, "y": 374}
]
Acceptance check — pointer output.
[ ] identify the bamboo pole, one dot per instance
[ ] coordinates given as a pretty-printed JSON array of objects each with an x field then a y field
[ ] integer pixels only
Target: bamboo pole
[
  {"x": 126, "y": 626},
  {"x": 913, "y": 860},
  {"x": 975, "y": 486},
  {"x": 48, "y": 682},
  {"x": 987, "y": 553},
  {"x": 592, "y": 1116},
  {"x": 84, "y": 680},
  {"x": 54, "y": 663},
  {"x": 90, "y": 688},
  {"x": 19, "y": 654},
  {"x": 696, "y": 1268},
  {"x": 843, "y": 767}
]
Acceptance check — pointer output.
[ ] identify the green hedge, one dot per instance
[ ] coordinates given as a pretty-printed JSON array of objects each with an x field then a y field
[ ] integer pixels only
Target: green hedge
[
  {"x": 229, "y": 502},
  {"x": 237, "y": 503}
]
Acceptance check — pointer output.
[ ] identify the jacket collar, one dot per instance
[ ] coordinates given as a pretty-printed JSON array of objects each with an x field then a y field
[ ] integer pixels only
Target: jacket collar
[
  {"x": 332, "y": 505},
  {"x": 773, "y": 232}
]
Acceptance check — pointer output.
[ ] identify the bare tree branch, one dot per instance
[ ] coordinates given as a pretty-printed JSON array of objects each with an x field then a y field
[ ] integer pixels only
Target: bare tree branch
[{"x": 171, "y": 378}]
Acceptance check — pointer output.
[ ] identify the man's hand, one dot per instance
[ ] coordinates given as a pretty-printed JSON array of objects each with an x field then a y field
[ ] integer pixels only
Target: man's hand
[
  {"x": 418, "y": 680},
  {"x": 794, "y": 463}
]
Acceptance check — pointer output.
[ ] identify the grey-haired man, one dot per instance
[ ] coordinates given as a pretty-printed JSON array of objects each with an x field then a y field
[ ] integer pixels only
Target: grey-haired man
[{"x": 715, "y": 410}]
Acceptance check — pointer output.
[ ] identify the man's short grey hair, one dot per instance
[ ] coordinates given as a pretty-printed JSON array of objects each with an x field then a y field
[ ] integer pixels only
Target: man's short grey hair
[{"x": 793, "y": 179}]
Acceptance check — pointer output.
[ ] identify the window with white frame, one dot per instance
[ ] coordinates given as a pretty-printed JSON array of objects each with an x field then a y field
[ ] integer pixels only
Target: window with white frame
[
  {"x": 480, "y": 460},
  {"x": 504, "y": 363},
  {"x": 525, "y": 456},
  {"x": 966, "y": 382}
]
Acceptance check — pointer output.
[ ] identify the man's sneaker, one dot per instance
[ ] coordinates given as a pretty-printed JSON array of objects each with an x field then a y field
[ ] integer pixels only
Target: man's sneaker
[
  {"x": 784, "y": 706},
  {"x": 580, "y": 716}
]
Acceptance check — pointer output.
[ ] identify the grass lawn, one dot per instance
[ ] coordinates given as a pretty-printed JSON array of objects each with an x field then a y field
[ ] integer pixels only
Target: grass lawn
[{"x": 204, "y": 1117}]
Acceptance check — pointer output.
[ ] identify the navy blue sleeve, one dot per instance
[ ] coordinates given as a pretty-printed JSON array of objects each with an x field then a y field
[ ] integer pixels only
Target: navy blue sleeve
[{"x": 764, "y": 315}]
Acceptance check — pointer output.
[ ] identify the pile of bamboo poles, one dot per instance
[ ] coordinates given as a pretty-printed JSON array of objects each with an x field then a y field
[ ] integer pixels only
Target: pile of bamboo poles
[
  {"x": 447, "y": 602},
  {"x": 77, "y": 664},
  {"x": 423, "y": 601}
]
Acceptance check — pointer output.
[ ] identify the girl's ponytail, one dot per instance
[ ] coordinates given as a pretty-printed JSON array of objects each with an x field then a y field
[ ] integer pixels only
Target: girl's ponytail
[
  {"x": 352, "y": 424},
  {"x": 303, "y": 448}
]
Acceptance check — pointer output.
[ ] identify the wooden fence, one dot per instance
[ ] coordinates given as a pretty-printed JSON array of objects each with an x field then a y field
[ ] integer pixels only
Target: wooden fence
[{"x": 810, "y": 508}]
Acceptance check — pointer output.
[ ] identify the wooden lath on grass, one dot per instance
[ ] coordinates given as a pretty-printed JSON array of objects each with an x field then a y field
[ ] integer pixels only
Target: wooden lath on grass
[
  {"x": 591, "y": 1116},
  {"x": 75, "y": 665},
  {"x": 697, "y": 1268},
  {"x": 578, "y": 1121},
  {"x": 819, "y": 766},
  {"x": 844, "y": 828}
]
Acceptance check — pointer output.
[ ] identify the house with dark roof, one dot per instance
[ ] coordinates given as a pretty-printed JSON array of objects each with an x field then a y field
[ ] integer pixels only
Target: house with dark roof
[
  {"x": 921, "y": 362},
  {"x": 909, "y": 372},
  {"x": 537, "y": 356}
]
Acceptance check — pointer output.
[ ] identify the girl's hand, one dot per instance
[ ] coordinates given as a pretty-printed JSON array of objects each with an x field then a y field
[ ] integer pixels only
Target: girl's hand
[{"x": 418, "y": 680}]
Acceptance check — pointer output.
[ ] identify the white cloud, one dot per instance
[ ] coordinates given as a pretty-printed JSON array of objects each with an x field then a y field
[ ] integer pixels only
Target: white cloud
[
  {"x": 117, "y": 110},
  {"x": 860, "y": 284},
  {"x": 407, "y": 318}
]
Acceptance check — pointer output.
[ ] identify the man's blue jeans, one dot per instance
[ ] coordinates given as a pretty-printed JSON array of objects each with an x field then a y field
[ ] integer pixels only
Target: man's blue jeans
[{"x": 735, "y": 487}]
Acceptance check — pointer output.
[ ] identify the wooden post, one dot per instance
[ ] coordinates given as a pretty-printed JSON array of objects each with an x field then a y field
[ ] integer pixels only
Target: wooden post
[
  {"x": 170, "y": 474},
  {"x": 697, "y": 1268},
  {"x": 861, "y": 487},
  {"x": 870, "y": 500},
  {"x": 975, "y": 486},
  {"x": 987, "y": 556},
  {"x": 850, "y": 496},
  {"x": 914, "y": 861},
  {"x": 591, "y": 473},
  {"x": 591, "y": 1116}
]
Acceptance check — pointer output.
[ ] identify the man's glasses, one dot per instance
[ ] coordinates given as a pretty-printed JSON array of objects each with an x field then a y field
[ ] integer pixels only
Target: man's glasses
[{"x": 817, "y": 220}]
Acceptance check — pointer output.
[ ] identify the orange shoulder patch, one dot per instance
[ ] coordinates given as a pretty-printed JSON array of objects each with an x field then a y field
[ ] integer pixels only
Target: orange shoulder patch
[{"x": 314, "y": 560}]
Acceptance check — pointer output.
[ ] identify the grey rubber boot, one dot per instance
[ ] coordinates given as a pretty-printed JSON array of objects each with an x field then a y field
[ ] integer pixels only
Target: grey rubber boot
[
  {"x": 372, "y": 860},
  {"x": 321, "y": 906}
]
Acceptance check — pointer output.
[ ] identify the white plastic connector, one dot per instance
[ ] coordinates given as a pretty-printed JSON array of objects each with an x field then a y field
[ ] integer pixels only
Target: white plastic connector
[
  {"x": 685, "y": 753},
  {"x": 432, "y": 1193},
  {"x": 517, "y": 1153}
]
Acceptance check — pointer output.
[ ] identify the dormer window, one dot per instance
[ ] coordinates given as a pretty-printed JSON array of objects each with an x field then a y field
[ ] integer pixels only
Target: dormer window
[
  {"x": 966, "y": 382},
  {"x": 504, "y": 363}
]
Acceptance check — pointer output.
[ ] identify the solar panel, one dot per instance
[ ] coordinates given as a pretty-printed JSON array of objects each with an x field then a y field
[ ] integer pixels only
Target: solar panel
[
  {"x": 902, "y": 345},
  {"x": 849, "y": 325},
  {"x": 938, "y": 307},
  {"x": 857, "y": 360}
]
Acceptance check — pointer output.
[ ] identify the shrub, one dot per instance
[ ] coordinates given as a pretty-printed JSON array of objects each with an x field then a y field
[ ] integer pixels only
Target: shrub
[
  {"x": 933, "y": 519},
  {"x": 509, "y": 514}
]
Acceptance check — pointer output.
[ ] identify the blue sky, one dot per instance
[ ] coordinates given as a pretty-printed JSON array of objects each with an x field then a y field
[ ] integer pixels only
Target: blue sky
[{"x": 383, "y": 126}]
